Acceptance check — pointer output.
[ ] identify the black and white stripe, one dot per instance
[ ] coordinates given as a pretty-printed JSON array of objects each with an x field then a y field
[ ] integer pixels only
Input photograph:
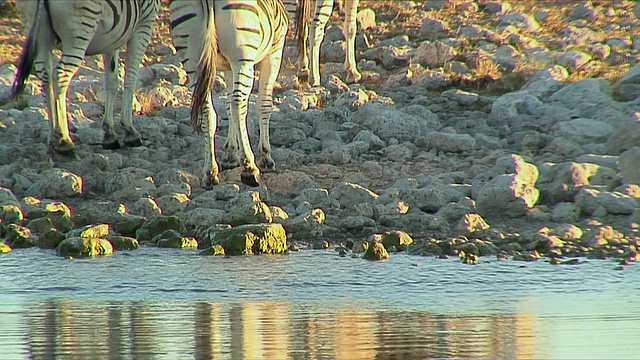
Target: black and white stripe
[
  {"x": 79, "y": 28},
  {"x": 311, "y": 20},
  {"x": 231, "y": 35}
]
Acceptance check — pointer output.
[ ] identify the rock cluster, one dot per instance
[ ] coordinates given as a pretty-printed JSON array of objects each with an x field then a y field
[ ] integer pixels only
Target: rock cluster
[{"x": 424, "y": 146}]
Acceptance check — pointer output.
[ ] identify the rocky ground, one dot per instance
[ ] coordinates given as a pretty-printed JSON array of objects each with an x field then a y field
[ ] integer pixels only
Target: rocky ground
[{"x": 479, "y": 128}]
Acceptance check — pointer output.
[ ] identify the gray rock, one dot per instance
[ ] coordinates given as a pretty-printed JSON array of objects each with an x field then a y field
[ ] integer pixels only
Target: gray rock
[
  {"x": 417, "y": 223},
  {"x": 506, "y": 195},
  {"x": 574, "y": 60},
  {"x": 433, "y": 29},
  {"x": 629, "y": 166},
  {"x": 627, "y": 88},
  {"x": 125, "y": 177},
  {"x": 429, "y": 200},
  {"x": 307, "y": 225},
  {"x": 147, "y": 207},
  {"x": 522, "y": 21},
  {"x": 352, "y": 194},
  {"x": 173, "y": 204},
  {"x": 136, "y": 189},
  {"x": 158, "y": 225},
  {"x": 355, "y": 222},
  {"x": 624, "y": 137},
  {"x": 434, "y": 54},
  {"x": 584, "y": 131},
  {"x": 84, "y": 247},
  {"x": 58, "y": 184},
  {"x": 257, "y": 213},
  {"x": 546, "y": 81},
  {"x": 590, "y": 201},
  {"x": 447, "y": 142},
  {"x": 561, "y": 182}
]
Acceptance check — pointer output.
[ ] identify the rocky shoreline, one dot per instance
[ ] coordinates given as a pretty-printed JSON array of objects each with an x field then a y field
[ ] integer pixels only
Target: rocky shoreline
[{"x": 432, "y": 153}]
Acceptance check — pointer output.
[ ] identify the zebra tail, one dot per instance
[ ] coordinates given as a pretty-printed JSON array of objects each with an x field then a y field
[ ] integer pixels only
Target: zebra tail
[
  {"x": 206, "y": 73},
  {"x": 27, "y": 57},
  {"x": 304, "y": 10}
]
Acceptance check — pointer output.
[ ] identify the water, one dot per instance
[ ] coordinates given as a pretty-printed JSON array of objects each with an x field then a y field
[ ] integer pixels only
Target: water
[{"x": 172, "y": 304}]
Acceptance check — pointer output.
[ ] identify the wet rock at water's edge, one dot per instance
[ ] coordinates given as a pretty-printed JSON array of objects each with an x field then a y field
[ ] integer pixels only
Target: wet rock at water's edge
[
  {"x": 84, "y": 247},
  {"x": 250, "y": 239},
  {"x": 375, "y": 251}
]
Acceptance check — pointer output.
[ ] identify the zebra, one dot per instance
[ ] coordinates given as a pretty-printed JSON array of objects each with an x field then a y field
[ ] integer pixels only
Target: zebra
[
  {"x": 231, "y": 35},
  {"x": 310, "y": 37},
  {"x": 79, "y": 28}
]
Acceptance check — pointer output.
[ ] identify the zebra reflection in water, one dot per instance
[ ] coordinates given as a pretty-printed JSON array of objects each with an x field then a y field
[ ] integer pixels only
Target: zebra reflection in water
[{"x": 79, "y": 28}]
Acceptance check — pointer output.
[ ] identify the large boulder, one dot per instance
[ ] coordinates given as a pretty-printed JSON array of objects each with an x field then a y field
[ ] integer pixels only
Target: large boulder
[
  {"x": 375, "y": 251},
  {"x": 84, "y": 247},
  {"x": 251, "y": 239},
  {"x": 306, "y": 225},
  {"x": 508, "y": 188},
  {"x": 397, "y": 239},
  {"x": 255, "y": 213},
  {"x": 58, "y": 184},
  {"x": 123, "y": 242}
]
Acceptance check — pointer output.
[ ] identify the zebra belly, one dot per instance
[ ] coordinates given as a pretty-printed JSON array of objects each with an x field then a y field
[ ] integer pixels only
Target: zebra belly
[{"x": 103, "y": 43}]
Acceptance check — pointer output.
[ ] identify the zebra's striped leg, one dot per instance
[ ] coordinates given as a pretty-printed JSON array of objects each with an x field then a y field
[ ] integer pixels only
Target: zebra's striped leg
[
  {"x": 269, "y": 68},
  {"x": 210, "y": 164},
  {"x": 136, "y": 47},
  {"x": 303, "y": 54},
  {"x": 60, "y": 139},
  {"x": 316, "y": 35},
  {"x": 243, "y": 75},
  {"x": 43, "y": 66},
  {"x": 349, "y": 31},
  {"x": 111, "y": 64},
  {"x": 232, "y": 157}
]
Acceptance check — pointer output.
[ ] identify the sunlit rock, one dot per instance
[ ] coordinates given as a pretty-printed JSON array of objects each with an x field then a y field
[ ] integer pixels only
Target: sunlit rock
[
  {"x": 84, "y": 247},
  {"x": 375, "y": 251},
  {"x": 20, "y": 236},
  {"x": 253, "y": 239},
  {"x": 123, "y": 242},
  {"x": 91, "y": 231}
]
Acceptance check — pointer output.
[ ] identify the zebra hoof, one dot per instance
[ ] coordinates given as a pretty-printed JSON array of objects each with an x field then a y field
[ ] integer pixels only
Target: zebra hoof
[
  {"x": 250, "y": 178},
  {"x": 268, "y": 165},
  {"x": 133, "y": 142},
  {"x": 209, "y": 181},
  {"x": 303, "y": 79},
  {"x": 113, "y": 145},
  {"x": 66, "y": 149},
  {"x": 353, "y": 78}
]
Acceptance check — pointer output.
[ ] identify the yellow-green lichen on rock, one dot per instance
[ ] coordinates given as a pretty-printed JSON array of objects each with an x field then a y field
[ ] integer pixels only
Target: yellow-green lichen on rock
[
  {"x": 4, "y": 248},
  {"x": 399, "y": 239},
  {"x": 84, "y": 247},
  {"x": 91, "y": 231},
  {"x": 253, "y": 239},
  {"x": 19, "y": 236},
  {"x": 123, "y": 242},
  {"x": 178, "y": 242},
  {"x": 256, "y": 213},
  {"x": 375, "y": 251},
  {"x": 11, "y": 213},
  {"x": 216, "y": 250}
]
